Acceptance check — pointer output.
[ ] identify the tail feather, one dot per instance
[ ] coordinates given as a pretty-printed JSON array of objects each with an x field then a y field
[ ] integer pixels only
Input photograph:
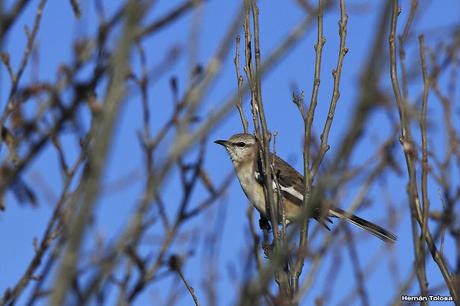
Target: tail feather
[{"x": 370, "y": 227}]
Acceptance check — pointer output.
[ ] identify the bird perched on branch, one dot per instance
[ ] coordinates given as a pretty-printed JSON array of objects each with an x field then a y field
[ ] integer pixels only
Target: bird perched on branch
[{"x": 244, "y": 153}]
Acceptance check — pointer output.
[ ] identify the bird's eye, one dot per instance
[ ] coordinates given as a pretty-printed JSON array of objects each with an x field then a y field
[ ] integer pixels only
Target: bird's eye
[{"x": 240, "y": 144}]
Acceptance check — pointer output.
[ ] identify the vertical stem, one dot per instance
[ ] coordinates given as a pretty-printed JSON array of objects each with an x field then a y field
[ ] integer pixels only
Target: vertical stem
[
  {"x": 272, "y": 205},
  {"x": 308, "y": 121},
  {"x": 336, "y": 73},
  {"x": 263, "y": 136},
  {"x": 426, "y": 202},
  {"x": 426, "y": 86},
  {"x": 248, "y": 67},
  {"x": 409, "y": 152},
  {"x": 402, "y": 52},
  {"x": 84, "y": 199},
  {"x": 239, "y": 80},
  {"x": 414, "y": 202}
]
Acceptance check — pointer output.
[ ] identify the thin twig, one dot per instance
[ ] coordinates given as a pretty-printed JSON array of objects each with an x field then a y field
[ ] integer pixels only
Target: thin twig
[
  {"x": 84, "y": 199},
  {"x": 272, "y": 206},
  {"x": 25, "y": 58},
  {"x": 308, "y": 122},
  {"x": 239, "y": 80},
  {"x": 409, "y": 153},
  {"x": 336, "y": 73},
  {"x": 189, "y": 288},
  {"x": 402, "y": 53},
  {"x": 76, "y": 8},
  {"x": 358, "y": 271},
  {"x": 168, "y": 18},
  {"x": 425, "y": 165}
]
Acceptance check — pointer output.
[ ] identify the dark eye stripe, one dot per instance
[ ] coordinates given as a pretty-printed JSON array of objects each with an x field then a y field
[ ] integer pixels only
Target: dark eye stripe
[{"x": 240, "y": 144}]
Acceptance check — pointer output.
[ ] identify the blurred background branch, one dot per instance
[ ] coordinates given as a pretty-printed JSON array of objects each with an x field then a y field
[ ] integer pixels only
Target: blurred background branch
[{"x": 110, "y": 193}]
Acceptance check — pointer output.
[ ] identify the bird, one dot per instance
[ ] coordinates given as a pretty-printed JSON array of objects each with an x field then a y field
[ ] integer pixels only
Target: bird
[{"x": 243, "y": 149}]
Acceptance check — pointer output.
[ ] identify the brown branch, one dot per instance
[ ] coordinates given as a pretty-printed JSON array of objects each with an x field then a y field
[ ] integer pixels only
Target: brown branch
[
  {"x": 175, "y": 263},
  {"x": 168, "y": 19},
  {"x": 402, "y": 53},
  {"x": 407, "y": 284},
  {"x": 185, "y": 142},
  {"x": 255, "y": 238},
  {"x": 263, "y": 135},
  {"x": 239, "y": 80},
  {"x": 75, "y": 8},
  {"x": 336, "y": 73},
  {"x": 425, "y": 165},
  {"x": 51, "y": 232},
  {"x": 358, "y": 271},
  {"x": 318, "y": 256},
  {"x": 7, "y": 20},
  {"x": 409, "y": 153},
  {"x": 6, "y": 61},
  {"x": 177, "y": 149},
  {"x": 85, "y": 198},
  {"x": 308, "y": 122},
  {"x": 25, "y": 58}
]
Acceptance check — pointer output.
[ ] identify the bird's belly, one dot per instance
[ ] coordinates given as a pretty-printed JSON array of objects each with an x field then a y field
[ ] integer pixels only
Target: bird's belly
[
  {"x": 255, "y": 194},
  {"x": 257, "y": 198}
]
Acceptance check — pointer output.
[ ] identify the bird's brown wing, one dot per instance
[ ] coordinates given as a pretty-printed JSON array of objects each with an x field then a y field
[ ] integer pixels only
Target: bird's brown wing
[
  {"x": 291, "y": 184},
  {"x": 289, "y": 180}
]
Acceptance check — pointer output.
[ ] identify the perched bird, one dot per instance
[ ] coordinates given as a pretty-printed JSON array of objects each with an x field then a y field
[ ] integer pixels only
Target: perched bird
[{"x": 244, "y": 153}]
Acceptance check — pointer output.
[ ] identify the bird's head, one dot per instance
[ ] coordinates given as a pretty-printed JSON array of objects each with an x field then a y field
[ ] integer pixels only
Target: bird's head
[{"x": 240, "y": 147}]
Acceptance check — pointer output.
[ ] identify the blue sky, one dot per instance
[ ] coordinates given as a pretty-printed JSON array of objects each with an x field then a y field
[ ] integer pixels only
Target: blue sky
[{"x": 20, "y": 224}]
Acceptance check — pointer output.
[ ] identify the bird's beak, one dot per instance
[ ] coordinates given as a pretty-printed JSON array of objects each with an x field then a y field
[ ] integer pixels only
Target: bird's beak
[{"x": 222, "y": 142}]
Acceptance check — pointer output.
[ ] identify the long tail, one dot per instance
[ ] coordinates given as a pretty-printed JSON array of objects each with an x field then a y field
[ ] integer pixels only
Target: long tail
[{"x": 372, "y": 228}]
